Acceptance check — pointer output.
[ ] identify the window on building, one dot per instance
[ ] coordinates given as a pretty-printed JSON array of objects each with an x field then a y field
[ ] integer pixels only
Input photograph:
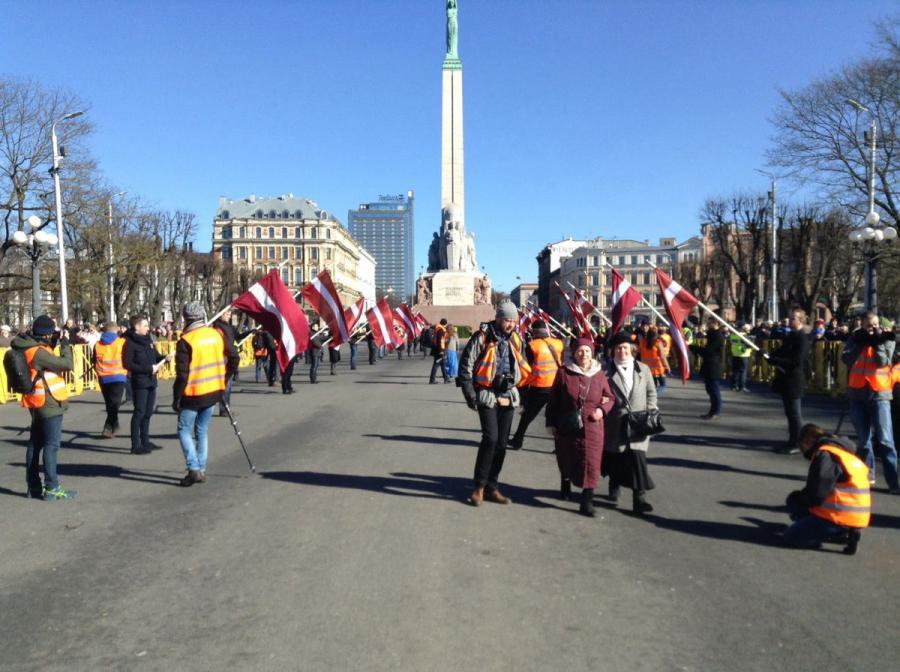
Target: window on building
[
  {"x": 314, "y": 232},
  {"x": 298, "y": 276},
  {"x": 284, "y": 232},
  {"x": 285, "y": 251},
  {"x": 272, "y": 214},
  {"x": 285, "y": 214},
  {"x": 595, "y": 279},
  {"x": 621, "y": 261},
  {"x": 259, "y": 232},
  {"x": 328, "y": 234},
  {"x": 298, "y": 253},
  {"x": 327, "y": 254},
  {"x": 647, "y": 278},
  {"x": 271, "y": 232},
  {"x": 226, "y": 253},
  {"x": 271, "y": 251},
  {"x": 285, "y": 275},
  {"x": 259, "y": 214},
  {"x": 298, "y": 214},
  {"x": 238, "y": 231},
  {"x": 634, "y": 260},
  {"x": 258, "y": 252},
  {"x": 660, "y": 259},
  {"x": 242, "y": 252},
  {"x": 226, "y": 214},
  {"x": 314, "y": 253},
  {"x": 300, "y": 232}
]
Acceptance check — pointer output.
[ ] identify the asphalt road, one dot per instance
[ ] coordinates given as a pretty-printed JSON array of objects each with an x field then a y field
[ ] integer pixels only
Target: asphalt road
[{"x": 352, "y": 548}]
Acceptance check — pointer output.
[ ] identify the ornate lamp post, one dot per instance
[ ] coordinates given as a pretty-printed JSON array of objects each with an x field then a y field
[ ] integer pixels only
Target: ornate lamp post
[
  {"x": 63, "y": 296},
  {"x": 35, "y": 245}
]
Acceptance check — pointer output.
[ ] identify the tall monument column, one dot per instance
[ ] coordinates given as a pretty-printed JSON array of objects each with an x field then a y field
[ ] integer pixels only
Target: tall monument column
[{"x": 452, "y": 174}]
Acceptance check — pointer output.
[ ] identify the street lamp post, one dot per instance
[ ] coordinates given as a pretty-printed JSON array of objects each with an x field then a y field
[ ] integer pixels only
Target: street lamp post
[
  {"x": 34, "y": 245},
  {"x": 63, "y": 297},
  {"x": 873, "y": 232},
  {"x": 773, "y": 197},
  {"x": 110, "y": 276}
]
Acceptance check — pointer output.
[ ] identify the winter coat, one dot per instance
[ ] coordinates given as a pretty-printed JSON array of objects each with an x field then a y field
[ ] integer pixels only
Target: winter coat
[
  {"x": 712, "y": 354},
  {"x": 138, "y": 358},
  {"x": 579, "y": 455},
  {"x": 790, "y": 360},
  {"x": 642, "y": 398},
  {"x": 44, "y": 361},
  {"x": 485, "y": 398},
  {"x": 183, "y": 355}
]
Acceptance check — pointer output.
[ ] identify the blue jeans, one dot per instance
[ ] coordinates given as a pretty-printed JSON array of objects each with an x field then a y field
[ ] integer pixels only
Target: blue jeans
[
  {"x": 353, "y": 348},
  {"x": 438, "y": 365},
  {"x": 808, "y": 531},
  {"x": 188, "y": 420},
  {"x": 44, "y": 437},
  {"x": 715, "y": 396},
  {"x": 260, "y": 367},
  {"x": 740, "y": 366},
  {"x": 874, "y": 416}
]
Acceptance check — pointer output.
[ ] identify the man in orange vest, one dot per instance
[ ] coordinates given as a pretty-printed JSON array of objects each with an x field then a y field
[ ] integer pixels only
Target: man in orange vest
[
  {"x": 868, "y": 354},
  {"x": 491, "y": 369},
  {"x": 438, "y": 344},
  {"x": 545, "y": 354},
  {"x": 111, "y": 374},
  {"x": 204, "y": 360},
  {"x": 47, "y": 403},
  {"x": 836, "y": 503}
]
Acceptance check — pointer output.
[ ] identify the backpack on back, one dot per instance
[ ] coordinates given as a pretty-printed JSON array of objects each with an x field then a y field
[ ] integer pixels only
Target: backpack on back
[{"x": 17, "y": 373}]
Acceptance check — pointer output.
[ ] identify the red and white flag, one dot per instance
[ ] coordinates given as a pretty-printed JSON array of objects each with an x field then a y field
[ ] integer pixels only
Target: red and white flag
[
  {"x": 583, "y": 325},
  {"x": 271, "y": 303},
  {"x": 585, "y": 306},
  {"x": 624, "y": 299},
  {"x": 525, "y": 320},
  {"x": 324, "y": 299},
  {"x": 421, "y": 322},
  {"x": 354, "y": 316},
  {"x": 381, "y": 323},
  {"x": 405, "y": 316},
  {"x": 679, "y": 302},
  {"x": 398, "y": 336}
]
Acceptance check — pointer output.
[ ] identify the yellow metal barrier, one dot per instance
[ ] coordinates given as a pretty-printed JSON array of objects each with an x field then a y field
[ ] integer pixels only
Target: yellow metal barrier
[{"x": 83, "y": 376}]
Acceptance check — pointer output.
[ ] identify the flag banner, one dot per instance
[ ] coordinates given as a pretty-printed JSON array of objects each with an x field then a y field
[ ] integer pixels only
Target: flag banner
[
  {"x": 624, "y": 299},
  {"x": 381, "y": 323},
  {"x": 679, "y": 302},
  {"x": 525, "y": 320},
  {"x": 407, "y": 319},
  {"x": 398, "y": 335},
  {"x": 421, "y": 322},
  {"x": 271, "y": 303},
  {"x": 324, "y": 299},
  {"x": 354, "y": 316},
  {"x": 585, "y": 306},
  {"x": 583, "y": 325}
]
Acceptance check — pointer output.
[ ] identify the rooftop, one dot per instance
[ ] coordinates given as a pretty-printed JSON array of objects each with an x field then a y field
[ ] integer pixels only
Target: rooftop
[{"x": 272, "y": 207}]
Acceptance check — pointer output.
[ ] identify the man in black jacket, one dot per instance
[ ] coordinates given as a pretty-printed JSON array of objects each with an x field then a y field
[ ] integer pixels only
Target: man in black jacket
[
  {"x": 142, "y": 361},
  {"x": 712, "y": 367},
  {"x": 790, "y": 377}
]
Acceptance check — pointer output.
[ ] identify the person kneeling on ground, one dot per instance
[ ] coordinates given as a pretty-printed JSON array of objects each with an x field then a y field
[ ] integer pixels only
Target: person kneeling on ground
[{"x": 836, "y": 502}]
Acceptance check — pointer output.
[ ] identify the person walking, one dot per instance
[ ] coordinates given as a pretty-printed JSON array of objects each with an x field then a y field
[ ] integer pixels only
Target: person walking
[
  {"x": 142, "y": 361},
  {"x": 111, "y": 374},
  {"x": 625, "y": 456},
  {"x": 287, "y": 376},
  {"x": 354, "y": 347},
  {"x": 545, "y": 354},
  {"x": 223, "y": 324},
  {"x": 790, "y": 377},
  {"x": 334, "y": 356},
  {"x": 451, "y": 353},
  {"x": 373, "y": 350},
  {"x": 438, "y": 347},
  {"x": 260, "y": 353},
  {"x": 316, "y": 345},
  {"x": 272, "y": 358},
  {"x": 204, "y": 360},
  {"x": 740, "y": 359},
  {"x": 578, "y": 402},
  {"x": 836, "y": 503},
  {"x": 712, "y": 367},
  {"x": 491, "y": 369},
  {"x": 868, "y": 353},
  {"x": 654, "y": 353},
  {"x": 47, "y": 403}
]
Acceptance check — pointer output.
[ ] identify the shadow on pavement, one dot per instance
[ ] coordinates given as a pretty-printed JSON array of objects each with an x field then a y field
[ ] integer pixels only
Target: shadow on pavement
[
  {"x": 715, "y": 466},
  {"x": 110, "y": 471},
  {"x": 412, "y": 438},
  {"x": 761, "y": 532},
  {"x": 761, "y": 445},
  {"x": 878, "y": 519},
  {"x": 380, "y": 382},
  {"x": 453, "y": 488}
]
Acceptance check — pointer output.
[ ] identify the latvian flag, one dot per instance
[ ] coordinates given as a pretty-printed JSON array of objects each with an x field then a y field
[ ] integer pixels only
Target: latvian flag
[
  {"x": 624, "y": 299},
  {"x": 271, "y": 304},
  {"x": 583, "y": 325},
  {"x": 354, "y": 316},
  {"x": 525, "y": 320},
  {"x": 585, "y": 306},
  {"x": 324, "y": 299},
  {"x": 398, "y": 336},
  {"x": 421, "y": 322},
  {"x": 405, "y": 316},
  {"x": 679, "y": 302},
  {"x": 381, "y": 323}
]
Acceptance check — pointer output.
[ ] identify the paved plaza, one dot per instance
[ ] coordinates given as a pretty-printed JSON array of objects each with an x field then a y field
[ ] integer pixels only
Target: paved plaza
[{"x": 352, "y": 549}]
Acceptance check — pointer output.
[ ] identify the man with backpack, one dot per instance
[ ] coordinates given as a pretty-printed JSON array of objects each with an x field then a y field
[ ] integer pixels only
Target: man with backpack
[{"x": 35, "y": 372}]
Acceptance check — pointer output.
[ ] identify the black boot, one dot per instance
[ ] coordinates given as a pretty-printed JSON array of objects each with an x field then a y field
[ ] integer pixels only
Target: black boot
[
  {"x": 587, "y": 503},
  {"x": 190, "y": 478},
  {"x": 613, "y": 492},
  {"x": 640, "y": 504},
  {"x": 853, "y": 537},
  {"x": 565, "y": 489}
]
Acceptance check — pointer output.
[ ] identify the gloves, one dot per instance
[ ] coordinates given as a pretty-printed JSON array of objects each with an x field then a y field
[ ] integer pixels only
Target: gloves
[{"x": 472, "y": 403}]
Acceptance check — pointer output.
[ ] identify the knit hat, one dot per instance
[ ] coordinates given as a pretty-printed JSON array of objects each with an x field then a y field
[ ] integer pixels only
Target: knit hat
[
  {"x": 539, "y": 329},
  {"x": 583, "y": 343},
  {"x": 621, "y": 336},
  {"x": 193, "y": 312},
  {"x": 43, "y": 326},
  {"x": 507, "y": 310}
]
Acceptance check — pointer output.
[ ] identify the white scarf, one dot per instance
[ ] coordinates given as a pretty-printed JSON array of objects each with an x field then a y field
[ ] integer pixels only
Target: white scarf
[{"x": 626, "y": 370}]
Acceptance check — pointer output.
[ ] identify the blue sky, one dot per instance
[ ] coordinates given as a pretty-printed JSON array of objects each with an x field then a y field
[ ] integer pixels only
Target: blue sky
[{"x": 582, "y": 118}]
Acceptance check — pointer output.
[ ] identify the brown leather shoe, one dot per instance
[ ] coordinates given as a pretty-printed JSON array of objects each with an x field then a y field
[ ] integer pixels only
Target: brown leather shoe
[
  {"x": 494, "y": 495},
  {"x": 476, "y": 497}
]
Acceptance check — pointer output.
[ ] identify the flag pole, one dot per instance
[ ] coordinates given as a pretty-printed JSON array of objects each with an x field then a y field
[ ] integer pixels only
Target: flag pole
[
  {"x": 602, "y": 316},
  {"x": 645, "y": 301},
  {"x": 719, "y": 319},
  {"x": 590, "y": 326},
  {"x": 558, "y": 325}
]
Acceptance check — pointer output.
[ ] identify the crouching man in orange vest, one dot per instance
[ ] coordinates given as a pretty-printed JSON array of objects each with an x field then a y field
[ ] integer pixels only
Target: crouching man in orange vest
[
  {"x": 204, "y": 361},
  {"x": 836, "y": 503}
]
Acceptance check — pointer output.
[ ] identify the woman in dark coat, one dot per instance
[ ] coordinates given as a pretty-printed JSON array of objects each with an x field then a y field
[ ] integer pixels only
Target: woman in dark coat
[
  {"x": 712, "y": 367},
  {"x": 625, "y": 460},
  {"x": 580, "y": 384},
  {"x": 141, "y": 360}
]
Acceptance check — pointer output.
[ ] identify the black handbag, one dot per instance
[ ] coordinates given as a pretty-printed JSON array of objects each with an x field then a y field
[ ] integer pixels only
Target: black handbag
[
  {"x": 573, "y": 421},
  {"x": 642, "y": 424}
]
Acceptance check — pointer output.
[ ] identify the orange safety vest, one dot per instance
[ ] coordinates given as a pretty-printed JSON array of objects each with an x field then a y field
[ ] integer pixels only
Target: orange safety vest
[
  {"x": 849, "y": 504},
  {"x": 547, "y": 360},
  {"x": 895, "y": 373},
  {"x": 654, "y": 357},
  {"x": 865, "y": 371},
  {"x": 47, "y": 381},
  {"x": 207, "y": 372},
  {"x": 483, "y": 377},
  {"x": 440, "y": 337},
  {"x": 109, "y": 359}
]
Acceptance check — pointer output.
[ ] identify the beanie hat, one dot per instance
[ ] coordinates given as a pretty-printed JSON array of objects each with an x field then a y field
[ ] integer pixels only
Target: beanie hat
[
  {"x": 43, "y": 326},
  {"x": 507, "y": 310},
  {"x": 193, "y": 312},
  {"x": 583, "y": 343}
]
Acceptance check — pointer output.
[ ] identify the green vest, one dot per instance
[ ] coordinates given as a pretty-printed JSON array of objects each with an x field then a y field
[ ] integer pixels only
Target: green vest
[
  {"x": 738, "y": 347},
  {"x": 688, "y": 335}
]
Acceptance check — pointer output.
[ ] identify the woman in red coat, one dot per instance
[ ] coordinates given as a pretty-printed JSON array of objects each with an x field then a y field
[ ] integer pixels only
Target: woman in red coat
[{"x": 580, "y": 388}]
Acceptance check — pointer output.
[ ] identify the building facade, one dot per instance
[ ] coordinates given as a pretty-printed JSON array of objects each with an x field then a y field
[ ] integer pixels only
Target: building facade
[
  {"x": 386, "y": 228},
  {"x": 296, "y": 236},
  {"x": 522, "y": 292}
]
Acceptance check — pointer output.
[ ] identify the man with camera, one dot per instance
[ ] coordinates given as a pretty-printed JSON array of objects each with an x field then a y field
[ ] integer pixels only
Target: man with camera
[
  {"x": 868, "y": 354},
  {"x": 490, "y": 370}
]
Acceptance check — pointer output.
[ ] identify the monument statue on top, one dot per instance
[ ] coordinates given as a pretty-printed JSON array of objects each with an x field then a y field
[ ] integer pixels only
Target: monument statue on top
[{"x": 452, "y": 30}]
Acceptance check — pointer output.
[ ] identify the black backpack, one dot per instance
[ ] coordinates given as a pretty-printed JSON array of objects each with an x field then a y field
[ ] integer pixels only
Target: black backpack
[{"x": 17, "y": 373}]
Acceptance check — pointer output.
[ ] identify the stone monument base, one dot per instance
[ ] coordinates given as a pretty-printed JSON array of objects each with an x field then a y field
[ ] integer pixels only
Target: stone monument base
[
  {"x": 463, "y": 297},
  {"x": 470, "y": 316}
]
